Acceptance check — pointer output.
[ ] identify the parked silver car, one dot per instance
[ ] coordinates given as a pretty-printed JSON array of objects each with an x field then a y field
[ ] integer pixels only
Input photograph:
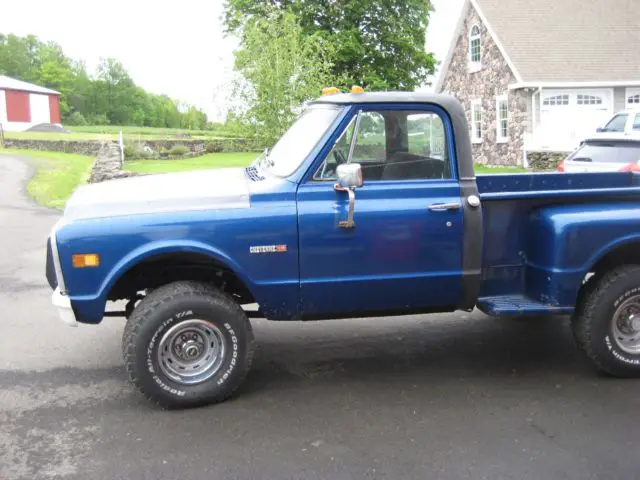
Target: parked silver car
[{"x": 604, "y": 153}]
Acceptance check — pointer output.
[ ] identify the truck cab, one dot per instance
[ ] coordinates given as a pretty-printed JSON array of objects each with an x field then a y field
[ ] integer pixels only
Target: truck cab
[{"x": 367, "y": 206}]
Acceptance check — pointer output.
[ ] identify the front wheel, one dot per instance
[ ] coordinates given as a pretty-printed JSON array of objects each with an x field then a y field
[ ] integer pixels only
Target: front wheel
[
  {"x": 606, "y": 324},
  {"x": 187, "y": 344}
]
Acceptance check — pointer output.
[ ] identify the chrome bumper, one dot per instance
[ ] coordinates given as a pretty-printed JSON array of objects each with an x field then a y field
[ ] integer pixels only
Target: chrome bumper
[{"x": 63, "y": 305}]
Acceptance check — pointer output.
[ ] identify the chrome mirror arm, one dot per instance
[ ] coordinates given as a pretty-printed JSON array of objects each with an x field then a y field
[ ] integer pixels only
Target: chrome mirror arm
[{"x": 348, "y": 223}]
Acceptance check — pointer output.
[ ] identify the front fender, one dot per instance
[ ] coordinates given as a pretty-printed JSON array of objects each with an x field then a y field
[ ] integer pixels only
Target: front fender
[{"x": 158, "y": 248}]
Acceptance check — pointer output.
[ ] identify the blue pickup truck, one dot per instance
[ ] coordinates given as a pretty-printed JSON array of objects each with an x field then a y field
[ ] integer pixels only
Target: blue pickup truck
[{"x": 367, "y": 206}]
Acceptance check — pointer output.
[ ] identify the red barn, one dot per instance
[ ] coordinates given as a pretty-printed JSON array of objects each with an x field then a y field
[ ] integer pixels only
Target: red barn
[{"x": 23, "y": 105}]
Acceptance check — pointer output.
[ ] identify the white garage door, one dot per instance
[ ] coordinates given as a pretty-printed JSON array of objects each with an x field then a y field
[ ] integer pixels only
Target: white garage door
[
  {"x": 574, "y": 114},
  {"x": 39, "y": 108}
]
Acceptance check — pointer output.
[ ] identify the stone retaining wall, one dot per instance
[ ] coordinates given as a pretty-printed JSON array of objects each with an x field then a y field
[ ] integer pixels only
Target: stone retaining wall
[
  {"x": 108, "y": 164},
  {"x": 81, "y": 147},
  {"x": 211, "y": 146},
  {"x": 545, "y": 160}
]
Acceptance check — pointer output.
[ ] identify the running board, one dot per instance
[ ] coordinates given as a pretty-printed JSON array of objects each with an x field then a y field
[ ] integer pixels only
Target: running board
[
  {"x": 518, "y": 306},
  {"x": 122, "y": 313}
]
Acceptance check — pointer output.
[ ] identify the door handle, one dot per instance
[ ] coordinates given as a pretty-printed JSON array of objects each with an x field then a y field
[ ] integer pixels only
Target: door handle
[{"x": 443, "y": 207}]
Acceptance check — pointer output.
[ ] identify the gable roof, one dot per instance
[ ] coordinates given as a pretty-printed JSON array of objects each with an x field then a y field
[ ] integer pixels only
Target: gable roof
[
  {"x": 8, "y": 83},
  {"x": 562, "y": 41}
]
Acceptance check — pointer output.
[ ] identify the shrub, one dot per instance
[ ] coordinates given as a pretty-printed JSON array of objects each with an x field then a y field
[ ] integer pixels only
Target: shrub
[
  {"x": 76, "y": 118},
  {"x": 135, "y": 150},
  {"x": 213, "y": 147},
  {"x": 178, "y": 150},
  {"x": 100, "y": 119}
]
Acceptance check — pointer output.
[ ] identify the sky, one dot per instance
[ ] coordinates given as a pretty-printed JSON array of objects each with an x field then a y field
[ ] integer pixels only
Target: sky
[{"x": 181, "y": 52}]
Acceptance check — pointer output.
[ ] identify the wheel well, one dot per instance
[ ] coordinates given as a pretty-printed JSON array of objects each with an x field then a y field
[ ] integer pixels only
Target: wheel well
[
  {"x": 164, "y": 269},
  {"x": 627, "y": 254}
]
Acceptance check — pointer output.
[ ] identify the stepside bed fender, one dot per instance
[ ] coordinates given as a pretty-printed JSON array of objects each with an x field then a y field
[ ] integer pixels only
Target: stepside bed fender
[{"x": 566, "y": 242}]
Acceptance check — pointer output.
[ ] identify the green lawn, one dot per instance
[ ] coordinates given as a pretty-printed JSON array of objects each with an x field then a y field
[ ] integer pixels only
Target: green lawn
[
  {"x": 211, "y": 160},
  {"x": 241, "y": 159},
  {"x": 480, "y": 169},
  {"x": 57, "y": 175},
  {"x": 110, "y": 132}
]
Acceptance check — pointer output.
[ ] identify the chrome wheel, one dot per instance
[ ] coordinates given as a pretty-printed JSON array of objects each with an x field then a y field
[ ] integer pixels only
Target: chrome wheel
[
  {"x": 626, "y": 326},
  {"x": 191, "y": 351}
]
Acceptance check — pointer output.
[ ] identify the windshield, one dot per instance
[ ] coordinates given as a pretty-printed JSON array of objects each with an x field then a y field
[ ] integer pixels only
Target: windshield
[
  {"x": 607, "y": 152},
  {"x": 297, "y": 142},
  {"x": 616, "y": 124}
]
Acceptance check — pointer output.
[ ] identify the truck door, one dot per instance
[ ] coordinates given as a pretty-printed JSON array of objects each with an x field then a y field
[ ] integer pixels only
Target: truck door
[{"x": 405, "y": 252}]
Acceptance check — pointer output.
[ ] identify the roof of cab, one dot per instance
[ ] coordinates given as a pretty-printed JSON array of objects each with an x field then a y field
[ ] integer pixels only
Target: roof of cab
[
  {"x": 387, "y": 97},
  {"x": 613, "y": 136}
]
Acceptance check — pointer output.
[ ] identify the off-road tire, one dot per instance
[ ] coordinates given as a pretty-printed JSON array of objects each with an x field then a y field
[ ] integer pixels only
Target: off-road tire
[
  {"x": 166, "y": 307},
  {"x": 592, "y": 321}
]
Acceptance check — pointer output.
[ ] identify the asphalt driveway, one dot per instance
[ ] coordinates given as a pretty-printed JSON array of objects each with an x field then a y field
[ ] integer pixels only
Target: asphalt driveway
[{"x": 432, "y": 397}]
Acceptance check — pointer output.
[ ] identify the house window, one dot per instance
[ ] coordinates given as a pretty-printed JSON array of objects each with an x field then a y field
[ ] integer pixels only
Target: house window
[
  {"x": 589, "y": 100},
  {"x": 633, "y": 100},
  {"x": 476, "y": 121},
  {"x": 475, "y": 48},
  {"x": 557, "y": 100},
  {"x": 502, "y": 119}
]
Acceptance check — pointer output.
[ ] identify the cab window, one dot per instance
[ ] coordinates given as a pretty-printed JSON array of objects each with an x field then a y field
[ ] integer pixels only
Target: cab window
[{"x": 393, "y": 145}]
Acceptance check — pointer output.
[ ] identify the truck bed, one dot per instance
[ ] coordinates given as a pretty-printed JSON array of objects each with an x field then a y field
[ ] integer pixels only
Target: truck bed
[
  {"x": 543, "y": 233},
  {"x": 547, "y": 185}
]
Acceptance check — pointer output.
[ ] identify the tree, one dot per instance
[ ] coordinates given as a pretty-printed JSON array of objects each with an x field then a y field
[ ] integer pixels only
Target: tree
[
  {"x": 280, "y": 69},
  {"x": 380, "y": 44},
  {"x": 110, "y": 96}
]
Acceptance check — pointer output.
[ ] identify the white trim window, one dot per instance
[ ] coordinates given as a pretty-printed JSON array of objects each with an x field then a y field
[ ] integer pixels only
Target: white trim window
[
  {"x": 589, "y": 99},
  {"x": 476, "y": 121},
  {"x": 502, "y": 119},
  {"x": 632, "y": 98},
  {"x": 556, "y": 100},
  {"x": 475, "y": 48}
]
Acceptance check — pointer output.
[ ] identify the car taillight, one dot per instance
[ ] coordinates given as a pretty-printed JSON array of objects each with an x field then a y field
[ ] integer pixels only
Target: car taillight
[
  {"x": 632, "y": 167},
  {"x": 560, "y": 167}
]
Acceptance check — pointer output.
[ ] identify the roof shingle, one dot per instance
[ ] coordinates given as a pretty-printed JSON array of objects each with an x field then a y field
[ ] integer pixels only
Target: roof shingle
[{"x": 568, "y": 40}]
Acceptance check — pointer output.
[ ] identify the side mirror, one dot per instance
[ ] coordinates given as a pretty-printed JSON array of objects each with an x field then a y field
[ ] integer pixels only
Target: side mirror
[
  {"x": 349, "y": 175},
  {"x": 349, "y": 178},
  {"x": 600, "y": 129}
]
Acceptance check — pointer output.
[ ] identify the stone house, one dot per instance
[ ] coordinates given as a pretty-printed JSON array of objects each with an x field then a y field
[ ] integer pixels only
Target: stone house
[{"x": 540, "y": 75}]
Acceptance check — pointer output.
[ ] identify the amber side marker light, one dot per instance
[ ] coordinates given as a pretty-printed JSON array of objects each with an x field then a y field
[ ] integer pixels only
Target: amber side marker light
[
  {"x": 86, "y": 260},
  {"x": 330, "y": 90}
]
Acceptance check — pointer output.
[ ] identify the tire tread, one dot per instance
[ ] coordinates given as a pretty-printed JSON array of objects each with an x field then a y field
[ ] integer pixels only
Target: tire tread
[
  {"x": 583, "y": 322},
  {"x": 160, "y": 296}
]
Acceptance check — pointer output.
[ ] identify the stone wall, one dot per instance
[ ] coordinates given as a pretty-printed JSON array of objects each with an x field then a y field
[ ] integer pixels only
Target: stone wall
[
  {"x": 92, "y": 147},
  {"x": 545, "y": 160},
  {"x": 81, "y": 147},
  {"x": 491, "y": 81},
  {"x": 108, "y": 164},
  {"x": 210, "y": 146}
]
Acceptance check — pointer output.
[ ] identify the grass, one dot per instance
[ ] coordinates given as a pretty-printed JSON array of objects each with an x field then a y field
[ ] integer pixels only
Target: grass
[
  {"x": 57, "y": 175},
  {"x": 242, "y": 159},
  {"x": 480, "y": 169},
  {"x": 149, "y": 131},
  {"x": 205, "y": 162},
  {"x": 110, "y": 132}
]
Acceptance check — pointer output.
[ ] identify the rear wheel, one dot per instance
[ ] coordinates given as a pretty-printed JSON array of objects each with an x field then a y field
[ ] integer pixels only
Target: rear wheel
[
  {"x": 606, "y": 324},
  {"x": 187, "y": 344}
]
